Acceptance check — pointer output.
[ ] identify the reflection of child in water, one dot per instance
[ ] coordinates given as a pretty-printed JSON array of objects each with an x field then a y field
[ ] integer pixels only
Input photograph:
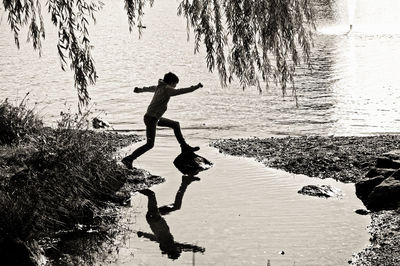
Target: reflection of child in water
[
  {"x": 159, "y": 226},
  {"x": 186, "y": 180}
]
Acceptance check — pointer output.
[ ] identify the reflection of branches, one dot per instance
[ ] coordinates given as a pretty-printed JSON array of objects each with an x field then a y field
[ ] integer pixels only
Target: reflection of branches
[{"x": 159, "y": 227}]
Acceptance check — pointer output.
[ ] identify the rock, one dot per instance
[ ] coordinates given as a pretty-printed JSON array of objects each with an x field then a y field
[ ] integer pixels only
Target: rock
[
  {"x": 386, "y": 172},
  {"x": 384, "y": 196},
  {"x": 362, "y": 212},
  {"x": 394, "y": 155},
  {"x": 380, "y": 190},
  {"x": 191, "y": 164},
  {"x": 384, "y": 162},
  {"x": 122, "y": 198},
  {"x": 396, "y": 175},
  {"x": 324, "y": 191},
  {"x": 365, "y": 186},
  {"x": 98, "y": 123}
]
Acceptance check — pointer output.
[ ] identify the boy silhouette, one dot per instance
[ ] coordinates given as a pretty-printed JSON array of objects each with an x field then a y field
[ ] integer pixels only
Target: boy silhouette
[
  {"x": 153, "y": 117},
  {"x": 160, "y": 228}
]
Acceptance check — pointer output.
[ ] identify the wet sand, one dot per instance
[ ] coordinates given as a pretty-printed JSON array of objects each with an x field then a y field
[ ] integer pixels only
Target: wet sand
[{"x": 343, "y": 158}]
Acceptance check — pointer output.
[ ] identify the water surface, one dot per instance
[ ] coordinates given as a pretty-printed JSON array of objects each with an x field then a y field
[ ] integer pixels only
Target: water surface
[
  {"x": 353, "y": 89},
  {"x": 242, "y": 213}
]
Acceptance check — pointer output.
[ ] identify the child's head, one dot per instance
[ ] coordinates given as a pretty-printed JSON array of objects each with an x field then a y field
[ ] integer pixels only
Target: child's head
[{"x": 171, "y": 79}]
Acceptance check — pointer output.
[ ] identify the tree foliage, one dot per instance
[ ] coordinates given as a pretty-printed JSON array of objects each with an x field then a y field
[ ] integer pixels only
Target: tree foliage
[
  {"x": 253, "y": 40},
  {"x": 251, "y": 37},
  {"x": 71, "y": 17}
]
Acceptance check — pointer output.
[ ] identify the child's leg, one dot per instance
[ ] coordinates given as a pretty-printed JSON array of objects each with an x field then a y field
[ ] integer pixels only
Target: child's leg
[
  {"x": 151, "y": 124},
  {"x": 165, "y": 122}
]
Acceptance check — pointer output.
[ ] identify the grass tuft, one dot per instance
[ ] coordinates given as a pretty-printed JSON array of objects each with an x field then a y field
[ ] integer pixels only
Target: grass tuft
[{"x": 16, "y": 122}]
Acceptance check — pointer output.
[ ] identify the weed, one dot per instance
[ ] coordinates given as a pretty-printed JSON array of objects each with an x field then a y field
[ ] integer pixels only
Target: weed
[{"x": 16, "y": 122}]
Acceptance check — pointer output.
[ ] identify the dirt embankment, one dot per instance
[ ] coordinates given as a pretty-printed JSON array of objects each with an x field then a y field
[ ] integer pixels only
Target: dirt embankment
[
  {"x": 60, "y": 195},
  {"x": 60, "y": 188}
]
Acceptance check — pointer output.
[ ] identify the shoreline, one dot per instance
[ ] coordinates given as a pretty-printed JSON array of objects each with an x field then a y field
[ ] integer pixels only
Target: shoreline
[{"x": 346, "y": 159}]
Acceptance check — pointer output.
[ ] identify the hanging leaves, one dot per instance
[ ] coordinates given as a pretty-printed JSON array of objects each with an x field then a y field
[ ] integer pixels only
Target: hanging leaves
[
  {"x": 20, "y": 13},
  {"x": 261, "y": 37},
  {"x": 134, "y": 10},
  {"x": 71, "y": 17},
  {"x": 250, "y": 40}
]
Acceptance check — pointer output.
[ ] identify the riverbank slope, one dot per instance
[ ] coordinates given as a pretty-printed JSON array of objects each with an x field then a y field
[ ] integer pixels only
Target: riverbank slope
[{"x": 60, "y": 188}]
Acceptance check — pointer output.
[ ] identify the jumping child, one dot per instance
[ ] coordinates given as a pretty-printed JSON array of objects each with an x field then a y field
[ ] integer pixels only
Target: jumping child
[{"x": 153, "y": 117}]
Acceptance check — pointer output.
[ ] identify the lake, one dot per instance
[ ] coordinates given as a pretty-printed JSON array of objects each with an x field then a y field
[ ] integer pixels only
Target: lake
[{"x": 352, "y": 90}]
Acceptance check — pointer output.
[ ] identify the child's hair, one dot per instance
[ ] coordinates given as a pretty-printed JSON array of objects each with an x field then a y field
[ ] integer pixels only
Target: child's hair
[{"x": 170, "y": 78}]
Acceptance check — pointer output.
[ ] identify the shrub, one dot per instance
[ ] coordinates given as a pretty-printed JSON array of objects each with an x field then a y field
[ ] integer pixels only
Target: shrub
[{"x": 16, "y": 122}]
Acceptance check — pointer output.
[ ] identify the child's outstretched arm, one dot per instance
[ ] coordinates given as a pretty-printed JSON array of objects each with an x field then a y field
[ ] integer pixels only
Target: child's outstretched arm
[
  {"x": 145, "y": 89},
  {"x": 174, "y": 92}
]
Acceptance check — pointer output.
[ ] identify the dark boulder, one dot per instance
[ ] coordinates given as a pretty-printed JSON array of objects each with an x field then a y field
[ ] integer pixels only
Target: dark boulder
[
  {"x": 386, "y": 172},
  {"x": 386, "y": 195},
  {"x": 190, "y": 163},
  {"x": 384, "y": 162},
  {"x": 324, "y": 191},
  {"x": 365, "y": 186},
  {"x": 393, "y": 155},
  {"x": 396, "y": 175},
  {"x": 380, "y": 189}
]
